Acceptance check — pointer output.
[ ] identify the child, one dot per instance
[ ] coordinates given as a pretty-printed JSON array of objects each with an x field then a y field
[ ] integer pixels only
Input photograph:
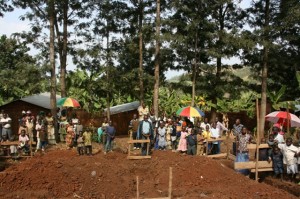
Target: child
[
  {"x": 80, "y": 144},
  {"x": 207, "y": 135},
  {"x": 182, "y": 146},
  {"x": 87, "y": 139},
  {"x": 173, "y": 136},
  {"x": 161, "y": 132},
  {"x": 277, "y": 158},
  {"x": 192, "y": 142},
  {"x": 290, "y": 153},
  {"x": 23, "y": 142},
  {"x": 43, "y": 137},
  {"x": 200, "y": 143}
]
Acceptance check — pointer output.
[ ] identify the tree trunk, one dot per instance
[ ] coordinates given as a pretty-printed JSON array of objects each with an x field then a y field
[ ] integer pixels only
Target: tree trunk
[
  {"x": 62, "y": 41},
  {"x": 195, "y": 71},
  {"x": 141, "y": 71},
  {"x": 107, "y": 77},
  {"x": 157, "y": 60},
  {"x": 263, "y": 102},
  {"x": 219, "y": 60},
  {"x": 63, "y": 65},
  {"x": 52, "y": 59}
]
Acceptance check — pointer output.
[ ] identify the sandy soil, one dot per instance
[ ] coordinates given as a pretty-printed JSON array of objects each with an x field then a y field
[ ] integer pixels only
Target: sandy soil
[{"x": 61, "y": 173}]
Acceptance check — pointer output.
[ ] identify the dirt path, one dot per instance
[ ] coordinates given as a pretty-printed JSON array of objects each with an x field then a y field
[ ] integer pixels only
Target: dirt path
[{"x": 64, "y": 174}]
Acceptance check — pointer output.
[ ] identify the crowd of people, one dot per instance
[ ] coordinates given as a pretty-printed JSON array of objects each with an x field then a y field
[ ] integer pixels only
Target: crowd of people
[
  {"x": 180, "y": 134},
  {"x": 175, "y": 133}
]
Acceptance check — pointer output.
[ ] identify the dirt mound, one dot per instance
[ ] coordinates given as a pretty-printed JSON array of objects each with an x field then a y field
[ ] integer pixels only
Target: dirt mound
[{"x": 63, "y": 174}]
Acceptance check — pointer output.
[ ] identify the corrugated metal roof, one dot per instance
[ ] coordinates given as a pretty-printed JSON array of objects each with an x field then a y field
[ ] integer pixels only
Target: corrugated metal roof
[
  {"x": 42, "y": 100},
  {"x": 124, "y": 107}
]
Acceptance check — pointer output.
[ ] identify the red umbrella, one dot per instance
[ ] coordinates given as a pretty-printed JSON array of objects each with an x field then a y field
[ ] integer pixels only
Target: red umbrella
[{"x": 283, "y": 117}]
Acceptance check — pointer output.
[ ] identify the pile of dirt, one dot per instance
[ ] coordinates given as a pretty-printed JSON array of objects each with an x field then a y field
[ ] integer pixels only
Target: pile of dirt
[{"x": 64, "y": 174}]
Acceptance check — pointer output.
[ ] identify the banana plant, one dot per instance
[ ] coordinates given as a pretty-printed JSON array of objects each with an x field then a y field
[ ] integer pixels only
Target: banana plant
[{"x": 276, "y": 96}]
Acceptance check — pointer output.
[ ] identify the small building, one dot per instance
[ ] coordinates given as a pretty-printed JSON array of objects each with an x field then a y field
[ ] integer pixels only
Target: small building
[
  {"x": 34, "y": 103},
  {"x": 121, "y": 115}
]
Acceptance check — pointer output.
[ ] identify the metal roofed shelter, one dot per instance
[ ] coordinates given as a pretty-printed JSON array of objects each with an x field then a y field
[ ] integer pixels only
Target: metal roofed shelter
[{"x": 34, "y": 103}]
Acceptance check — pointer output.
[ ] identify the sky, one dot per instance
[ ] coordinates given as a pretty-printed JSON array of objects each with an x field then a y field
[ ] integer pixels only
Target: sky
[{"x": 11, "y": 23}]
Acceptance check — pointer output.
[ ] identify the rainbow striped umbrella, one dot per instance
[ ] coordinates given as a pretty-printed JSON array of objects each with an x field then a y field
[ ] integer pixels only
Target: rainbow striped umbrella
[
  {"x": 68, "y": 102},
  {"x": 190, "y": 111}
]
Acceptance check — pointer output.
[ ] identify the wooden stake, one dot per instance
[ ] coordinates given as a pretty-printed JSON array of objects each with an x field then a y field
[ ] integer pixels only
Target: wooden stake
[
  {"x": 170, "y": 183},
  {"x": 137, "y": 188},
  {"x": 257, "y": 141}
]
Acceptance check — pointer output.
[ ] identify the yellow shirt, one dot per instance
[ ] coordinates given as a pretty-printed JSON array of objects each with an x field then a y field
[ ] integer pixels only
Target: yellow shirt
[{"x": 206, "y": 134}]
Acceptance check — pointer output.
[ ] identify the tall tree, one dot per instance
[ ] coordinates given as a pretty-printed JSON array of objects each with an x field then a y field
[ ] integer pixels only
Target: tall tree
[
  {"x": 141, "y": 71},
  {"x": 52, "y": 56},
  {"x": 157, "y": 60}
]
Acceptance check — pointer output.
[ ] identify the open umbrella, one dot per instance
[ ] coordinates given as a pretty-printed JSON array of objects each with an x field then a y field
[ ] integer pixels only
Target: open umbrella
[
  {"x": 282, "y": 117},
  {"x": 68, "y": 102},
  {"x": 190, "y": 111}
]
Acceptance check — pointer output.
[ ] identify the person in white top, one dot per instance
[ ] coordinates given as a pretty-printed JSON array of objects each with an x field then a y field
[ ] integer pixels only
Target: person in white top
[
  {"x": 220, "y": 127},
  {"x": 204, "y": 124},
  {"x": 6, "y": 127},
  {"x": 214, "y": 135},
  {"x": 278, "y": 134},
  {"x": 290, "y": 154}
]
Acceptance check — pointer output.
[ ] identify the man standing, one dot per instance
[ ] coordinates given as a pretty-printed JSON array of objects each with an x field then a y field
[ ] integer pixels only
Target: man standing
[
  {"x": 145, "y": 131},
  {"x": 133, "y": 126},
  {"x": 243, "y": 140},
  {"x": 143, "y": 110},
  {"x": 237, "y": 130},
  {"x": 6, "y": 127},
  {"x": 220, "y": 128},
  {"x": 110, "y": 136}
]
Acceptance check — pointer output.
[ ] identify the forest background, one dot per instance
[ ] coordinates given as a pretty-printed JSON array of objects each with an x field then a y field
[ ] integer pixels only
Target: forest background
[{"x": 120, "y": 51}]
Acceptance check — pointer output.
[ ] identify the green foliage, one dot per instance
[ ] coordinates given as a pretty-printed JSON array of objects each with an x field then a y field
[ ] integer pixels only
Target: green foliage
[{"x": 20, "y": 75}]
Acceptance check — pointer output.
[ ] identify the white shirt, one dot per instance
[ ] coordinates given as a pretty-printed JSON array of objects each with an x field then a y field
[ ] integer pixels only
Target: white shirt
[
  {"x": 215, "y": 133},
  {"x": 289, "y": 153},
  {"x": 5, "y": 120},
  {"x": 221, "y": 127},
  {"x": 203, "y": 125},
  {"x": 279, "y": 138}
]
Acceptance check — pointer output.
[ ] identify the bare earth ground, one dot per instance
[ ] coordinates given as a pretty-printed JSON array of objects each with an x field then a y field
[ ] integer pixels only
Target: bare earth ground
[{"x": 63, "y": 174}]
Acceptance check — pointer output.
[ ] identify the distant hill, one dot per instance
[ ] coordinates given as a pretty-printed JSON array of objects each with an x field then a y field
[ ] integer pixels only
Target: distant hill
[{"x": 243, "y": 73}]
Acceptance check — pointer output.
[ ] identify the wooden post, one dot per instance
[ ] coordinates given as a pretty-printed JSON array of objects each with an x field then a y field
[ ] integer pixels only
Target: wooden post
[
  {"x": 227, "y": 145},
  {"x": 288, "y": 119},
  {"x": 170, "y": 182},
  {"x": 148, "y": 146},
  {"x": 137, "y": 187},
  {"x": 257, "y": 141},
  {"x": 206, "y": 147}
]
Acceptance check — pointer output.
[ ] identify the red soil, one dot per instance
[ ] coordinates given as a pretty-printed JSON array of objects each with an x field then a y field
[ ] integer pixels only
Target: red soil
[{"x": 63, "y": 174}]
